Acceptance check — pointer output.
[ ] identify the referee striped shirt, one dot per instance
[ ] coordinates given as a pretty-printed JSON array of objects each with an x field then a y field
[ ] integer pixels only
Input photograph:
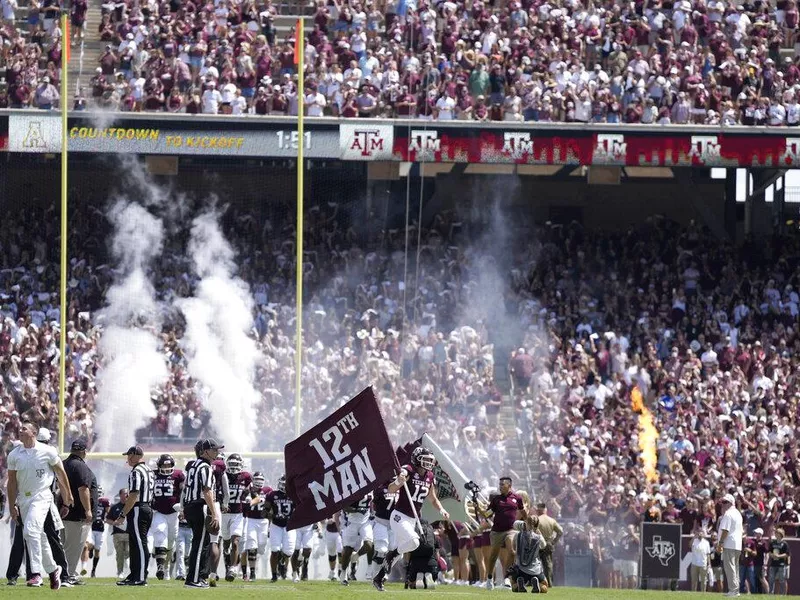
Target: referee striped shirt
[
  {"x": 142, "y": 480},
  {"x": 199, "y": 476}
]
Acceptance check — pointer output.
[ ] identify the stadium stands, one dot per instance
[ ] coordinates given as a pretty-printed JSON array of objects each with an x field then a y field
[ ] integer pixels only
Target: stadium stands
[
  {"x": 707, "y": 332},
  {"x": 681, "y": 62},
  {"x": 425, "y": 380}
]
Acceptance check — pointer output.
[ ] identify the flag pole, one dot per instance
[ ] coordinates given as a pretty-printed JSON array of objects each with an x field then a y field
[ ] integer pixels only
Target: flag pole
[
  {"x": 62, "y": 345},
  {"x": 298, "y": 350}
]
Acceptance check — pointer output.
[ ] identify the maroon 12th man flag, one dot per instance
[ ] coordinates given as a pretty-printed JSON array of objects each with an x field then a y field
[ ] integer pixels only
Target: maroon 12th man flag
[{"x": 338, "y": 461}]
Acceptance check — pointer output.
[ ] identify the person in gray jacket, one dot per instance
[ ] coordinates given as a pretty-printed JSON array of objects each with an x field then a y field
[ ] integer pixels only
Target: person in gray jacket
[{"x": 527, "y": 568}]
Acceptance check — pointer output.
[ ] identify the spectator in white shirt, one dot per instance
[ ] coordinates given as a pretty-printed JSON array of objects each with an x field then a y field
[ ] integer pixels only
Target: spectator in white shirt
[
  {"x": 211, "y": 100},
  {"x": 175, "y": 422},
  {"x": 315, "y": 103},
  {"x": 793, "y": 112},
  {"x": 445, "y": 106},
  {"x": 777, "y": 114},
  {"x": 730, "y": 542},
  {"x": 701, "y": 550}
]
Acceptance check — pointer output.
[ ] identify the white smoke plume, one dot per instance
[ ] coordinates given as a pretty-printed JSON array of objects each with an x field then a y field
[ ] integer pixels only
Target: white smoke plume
[
  {"x": 132, "y": 365},
  {"x": 221, "y": 355}
]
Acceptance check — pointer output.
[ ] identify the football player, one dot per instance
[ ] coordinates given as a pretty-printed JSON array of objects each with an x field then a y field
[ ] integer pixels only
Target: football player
[
  {"x": 256, "y": 513},
  {"x": 383, "y": 503},
  {"x": 419, "y": 478},
  {"x": 221, "y": 497},
  {"x": 356, "y": 536},
  {"x": 281, "y": 541},
  {"x": 95, "y": 542},
  {"x": 233, "y": 521},
  {"x": 182, "y": 547},
  {"x": 166, "y": 496},
  {"x": 333, "y": 543},
  {"x": 303, "y": 547}
]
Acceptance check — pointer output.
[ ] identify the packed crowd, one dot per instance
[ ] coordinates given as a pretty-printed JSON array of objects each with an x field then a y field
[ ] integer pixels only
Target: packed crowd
[
  {"x": 707, "y": 332},
  {"x": 684, "y": 61},
  {"x": 436, "y": 376}
]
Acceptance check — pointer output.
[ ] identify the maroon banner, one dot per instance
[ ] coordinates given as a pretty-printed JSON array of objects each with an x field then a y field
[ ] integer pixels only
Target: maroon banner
[
  {"x": 338, "y": 461},
  {"x": 404, "y": 453},
  {"x": 623, "y": 146}
]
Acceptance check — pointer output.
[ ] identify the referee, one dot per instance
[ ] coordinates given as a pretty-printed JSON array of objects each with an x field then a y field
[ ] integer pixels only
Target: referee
[
  {"x": 139, "y": 515},
  {"x": 198, "y": 502}
]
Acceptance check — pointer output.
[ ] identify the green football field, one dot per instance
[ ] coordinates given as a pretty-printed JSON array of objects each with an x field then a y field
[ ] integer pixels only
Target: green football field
[{"x": 105, "y": 589}]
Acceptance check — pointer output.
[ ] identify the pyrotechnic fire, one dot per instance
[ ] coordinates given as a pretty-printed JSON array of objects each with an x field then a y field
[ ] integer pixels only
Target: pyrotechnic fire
[{"x": 648, "y": 435}]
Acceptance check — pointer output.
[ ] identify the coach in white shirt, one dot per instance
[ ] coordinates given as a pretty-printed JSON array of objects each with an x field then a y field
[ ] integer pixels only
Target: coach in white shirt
[
  {"x": 730, "y": 542},
  {"x": 30, "y": 475}
]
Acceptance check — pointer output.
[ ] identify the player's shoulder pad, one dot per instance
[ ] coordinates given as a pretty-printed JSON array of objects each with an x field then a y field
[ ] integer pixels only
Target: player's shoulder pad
[{"x": 179, "y": 475}]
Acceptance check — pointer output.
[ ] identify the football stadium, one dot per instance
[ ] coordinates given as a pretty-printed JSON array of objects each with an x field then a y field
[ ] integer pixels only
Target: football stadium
[{"x": 382, "y": 296}]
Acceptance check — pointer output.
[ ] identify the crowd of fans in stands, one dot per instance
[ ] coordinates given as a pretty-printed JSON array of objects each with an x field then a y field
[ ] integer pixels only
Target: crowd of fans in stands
[
  {"x": 708, "y": 333},
  {"x": 432, "y": 376},
  {"x": 674, "y": 61}
]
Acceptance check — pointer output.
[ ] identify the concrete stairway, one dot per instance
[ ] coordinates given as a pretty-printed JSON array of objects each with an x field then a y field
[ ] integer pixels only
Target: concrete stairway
[
  {"x": 522, "y": 467},
  {"x": 84, "y": 57}
]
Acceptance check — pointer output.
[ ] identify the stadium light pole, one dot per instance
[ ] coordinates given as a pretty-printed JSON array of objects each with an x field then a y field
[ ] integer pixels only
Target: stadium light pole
[
  {"x": 299, "y": 56},
  {"x": 62, "y": 346}
]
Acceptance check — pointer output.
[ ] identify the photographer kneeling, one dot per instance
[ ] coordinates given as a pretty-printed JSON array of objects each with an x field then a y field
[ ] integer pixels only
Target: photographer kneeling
[{"x": 528, "y": 568}]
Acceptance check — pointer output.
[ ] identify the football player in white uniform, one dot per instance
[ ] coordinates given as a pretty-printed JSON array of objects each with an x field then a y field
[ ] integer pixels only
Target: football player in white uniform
[
  {"x": 356, "y": 536},
  {"x": 233, "y": 519},
  {"x": 333, "y": 543},
  {"x": 256, "y": 511}
]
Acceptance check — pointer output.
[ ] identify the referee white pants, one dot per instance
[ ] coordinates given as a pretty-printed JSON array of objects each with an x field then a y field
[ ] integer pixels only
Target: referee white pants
[{"x": 33, "y": 513}]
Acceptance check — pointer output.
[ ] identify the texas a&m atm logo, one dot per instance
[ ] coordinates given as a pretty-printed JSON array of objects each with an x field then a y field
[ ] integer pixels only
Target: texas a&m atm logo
[
  {"x": 517, "y": 144},
  {"x": 791, "y": 156},
  {"x": 705, "y": 148},
  {"x": 366, "y": 142},
  {"x": 610, "y": 149},
  {"x": 424, "y": 143}
]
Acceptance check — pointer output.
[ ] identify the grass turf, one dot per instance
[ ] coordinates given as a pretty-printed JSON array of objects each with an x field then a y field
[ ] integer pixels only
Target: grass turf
[{"x": 105, "y": 589}]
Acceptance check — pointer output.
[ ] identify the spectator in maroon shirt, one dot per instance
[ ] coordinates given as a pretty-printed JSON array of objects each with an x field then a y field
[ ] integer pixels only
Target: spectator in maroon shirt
[
  {"x": 789, "y": 519},
  {"x": 747, "y": 561},
  {"x": 521, "y": 366}
]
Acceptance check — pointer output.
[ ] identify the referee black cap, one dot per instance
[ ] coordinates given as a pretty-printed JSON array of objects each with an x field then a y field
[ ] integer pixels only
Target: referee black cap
[
  {"x": 135, "y": 451},
  {"x": 210, "y": 444}
]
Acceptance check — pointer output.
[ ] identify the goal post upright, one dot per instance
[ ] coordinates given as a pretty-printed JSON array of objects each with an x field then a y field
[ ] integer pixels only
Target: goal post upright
[{"x": 62, "y": 366}]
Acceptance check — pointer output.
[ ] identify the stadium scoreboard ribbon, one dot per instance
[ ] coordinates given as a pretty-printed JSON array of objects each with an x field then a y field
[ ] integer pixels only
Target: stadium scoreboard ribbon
[
  {"x": 660, "y": 551},
  {"x": 338, "y": 461}
]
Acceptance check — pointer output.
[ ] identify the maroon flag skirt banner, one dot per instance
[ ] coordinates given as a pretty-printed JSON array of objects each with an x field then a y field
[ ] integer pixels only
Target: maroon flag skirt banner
[{"x": 338, "y": 461}]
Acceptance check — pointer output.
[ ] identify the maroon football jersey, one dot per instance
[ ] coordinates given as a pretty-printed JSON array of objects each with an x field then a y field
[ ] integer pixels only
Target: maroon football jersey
[
  {"x": 167, "y": 491},
  {"x": 219, "y": 471},
  {"x": 100, "y": 512},
  {"x": 238, "y": 486},
  {"x": 384, "y": 503},
  {"x": 261, "y": 509},
  {"x": 419, "y": 486},
  {"x": 282, "y": 507}
]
